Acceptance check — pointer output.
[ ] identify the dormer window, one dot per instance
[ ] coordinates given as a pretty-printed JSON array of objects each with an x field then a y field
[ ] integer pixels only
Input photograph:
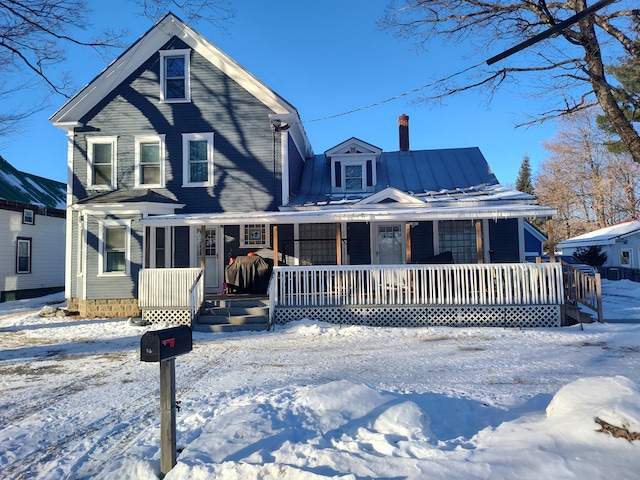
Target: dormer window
[
  {"x": 175, "y": 76},
  {"x": 353, "y": 166}
]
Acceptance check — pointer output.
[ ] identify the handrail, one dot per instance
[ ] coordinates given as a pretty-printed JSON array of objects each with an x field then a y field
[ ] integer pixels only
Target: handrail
[
  {"x": 584, "y": 289},
  {"x": 459, "y": 284},
  {"x": 196, "y": 295}
]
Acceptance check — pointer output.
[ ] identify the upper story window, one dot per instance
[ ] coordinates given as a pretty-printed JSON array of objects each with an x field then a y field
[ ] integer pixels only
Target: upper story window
[
  {"x": 149, "y": 161},
  {"x": 28, "y": 217},
  {"x": 175, "y": 76},
  {"x": 353, "y": 166},
  {"x": 197, "y": 153},
  {"x": 352, "y": 175},
  {"x": 101, "y": 154}
]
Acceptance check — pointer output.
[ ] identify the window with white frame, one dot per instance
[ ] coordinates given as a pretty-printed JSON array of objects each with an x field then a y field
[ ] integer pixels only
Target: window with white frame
[
  {"x": 101, "y": 153},
  {"x": 353, "y": 175},
  {"x": 149, "y": 161},
  {"x": 114, "y": 248},
  {"x": 23, "y": 255},
  {"x": 626, "y": 257},
  {"x": 197, "y": 153},
  {"x": 254, "y": 235},
  {"x": 175, "y": 67},
  {"x": 28, "y": 217}
]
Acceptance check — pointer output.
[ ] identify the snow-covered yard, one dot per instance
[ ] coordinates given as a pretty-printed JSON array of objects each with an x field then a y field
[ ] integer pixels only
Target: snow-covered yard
[{"x": 314, "y": 401}]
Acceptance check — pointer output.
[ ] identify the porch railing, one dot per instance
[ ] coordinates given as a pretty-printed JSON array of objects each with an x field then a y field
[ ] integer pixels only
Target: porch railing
[
  {"x": 464, "y": 284},
  {"x": 584, "y": 289},
  {"x": 171, "y": 288}
]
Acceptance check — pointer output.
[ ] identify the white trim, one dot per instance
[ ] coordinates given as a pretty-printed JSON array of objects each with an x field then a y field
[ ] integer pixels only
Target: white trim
[
  {"x": 102, "y": 225},
  {"x": 102, "y": 140},
  {"x": 137, "y": 174},
  {"x": 630, "y": 252},
  {"x": 521, "y": 244},
  {"x": 186, "y": 138},
  {"x": 264, "y": 241},
  {"x": 284, "y": 166},
  {"x": 352, "y": 215},
  {"x": 132, "y": 208},
  {"x": 390, "y": 193},
  {"x": 186, "y": 54}
]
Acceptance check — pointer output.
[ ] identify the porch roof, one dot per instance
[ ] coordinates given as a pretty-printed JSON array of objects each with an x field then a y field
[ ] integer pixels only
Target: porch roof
[{"x": 355, "y": 215}]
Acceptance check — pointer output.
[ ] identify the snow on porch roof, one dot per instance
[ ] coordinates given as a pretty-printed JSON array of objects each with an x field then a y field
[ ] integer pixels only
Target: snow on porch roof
[{"x": 354, "y": 215}]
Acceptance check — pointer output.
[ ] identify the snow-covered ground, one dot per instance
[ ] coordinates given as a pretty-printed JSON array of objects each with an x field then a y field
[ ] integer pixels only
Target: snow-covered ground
[{"x": 313, "y": 401}]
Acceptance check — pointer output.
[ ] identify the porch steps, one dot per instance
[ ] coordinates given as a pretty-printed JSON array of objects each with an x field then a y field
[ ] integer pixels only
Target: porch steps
[
  {"x": 573, "y": 315},
  {"x": 233, "y": 313}
]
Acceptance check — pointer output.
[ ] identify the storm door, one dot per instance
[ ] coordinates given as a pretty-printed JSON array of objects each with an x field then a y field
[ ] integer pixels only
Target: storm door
[{"x": 211, "y": 259}]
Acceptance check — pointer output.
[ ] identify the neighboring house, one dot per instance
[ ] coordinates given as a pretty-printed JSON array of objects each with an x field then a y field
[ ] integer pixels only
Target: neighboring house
[
  {"x": 32, "y": 237},
  {"x": 179, "y": 157},
  {"x": 621, "y": 243}
]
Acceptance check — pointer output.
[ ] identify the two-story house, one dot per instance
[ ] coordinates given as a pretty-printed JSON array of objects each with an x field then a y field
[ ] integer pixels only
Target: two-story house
[{"x": 179, "y": 157}]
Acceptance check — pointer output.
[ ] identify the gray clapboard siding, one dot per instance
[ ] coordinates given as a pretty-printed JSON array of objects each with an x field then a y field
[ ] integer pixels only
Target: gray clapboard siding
[{"x": 243, "y": 139}]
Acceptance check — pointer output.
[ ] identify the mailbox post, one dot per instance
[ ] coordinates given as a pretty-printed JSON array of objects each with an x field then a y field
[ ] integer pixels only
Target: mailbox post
[{"x": 164, "y": 346}]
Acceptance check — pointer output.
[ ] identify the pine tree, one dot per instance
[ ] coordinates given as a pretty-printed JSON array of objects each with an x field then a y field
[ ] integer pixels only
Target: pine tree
[{"x": 524, "y": 183}]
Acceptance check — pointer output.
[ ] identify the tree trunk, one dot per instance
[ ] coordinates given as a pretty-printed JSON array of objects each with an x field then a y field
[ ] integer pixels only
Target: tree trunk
[{"x": 602, "y": 89}]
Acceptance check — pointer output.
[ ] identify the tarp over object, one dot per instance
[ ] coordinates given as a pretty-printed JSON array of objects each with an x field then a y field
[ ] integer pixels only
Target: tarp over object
[{"x": 248, "y": 275}]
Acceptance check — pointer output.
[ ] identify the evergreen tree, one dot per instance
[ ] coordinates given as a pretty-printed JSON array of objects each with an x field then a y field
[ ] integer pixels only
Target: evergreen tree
[
  {"x": 524, "y": 183},
  {"x": 627, "y": 95}
]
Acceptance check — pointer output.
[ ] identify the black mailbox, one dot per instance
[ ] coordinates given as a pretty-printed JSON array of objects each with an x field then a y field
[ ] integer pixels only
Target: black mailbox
[{"x": 165, "y": 344}]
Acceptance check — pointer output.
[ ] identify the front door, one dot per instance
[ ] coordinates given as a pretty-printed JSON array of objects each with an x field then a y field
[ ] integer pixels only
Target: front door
[
  {"x": 211, "y": 273},
  {"x": 390, "y": 244}
]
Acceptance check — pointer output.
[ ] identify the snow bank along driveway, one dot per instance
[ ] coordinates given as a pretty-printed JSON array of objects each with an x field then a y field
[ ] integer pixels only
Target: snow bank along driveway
[{"x": 317, "y": 401}]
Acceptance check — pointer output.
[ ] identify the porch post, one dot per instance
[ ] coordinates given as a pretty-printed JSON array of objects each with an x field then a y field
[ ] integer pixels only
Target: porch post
[
  {"x": 479, "y": 249},
  {"x": 203, "y": 245},
  {"x": 275, "y": 245},
  {"x": 407, "y": 236},
  {"x": 147, "y": 247},
  {"x": 338, "y": 244},
  {"x": 552, "y": 243}
]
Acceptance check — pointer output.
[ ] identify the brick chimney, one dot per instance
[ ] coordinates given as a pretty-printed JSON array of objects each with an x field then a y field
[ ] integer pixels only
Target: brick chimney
[{"x": 403, "y": 131}]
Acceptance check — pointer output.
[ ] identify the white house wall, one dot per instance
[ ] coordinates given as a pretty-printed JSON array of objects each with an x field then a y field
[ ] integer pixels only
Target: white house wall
[{"x": 47, "y": 252}]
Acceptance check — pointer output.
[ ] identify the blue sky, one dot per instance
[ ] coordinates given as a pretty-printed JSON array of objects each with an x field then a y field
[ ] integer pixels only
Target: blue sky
[{"x": 325, "y": 58}]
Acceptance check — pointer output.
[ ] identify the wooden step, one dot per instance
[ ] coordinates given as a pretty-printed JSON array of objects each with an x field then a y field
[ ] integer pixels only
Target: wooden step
[{"x": 232, "y": 313}]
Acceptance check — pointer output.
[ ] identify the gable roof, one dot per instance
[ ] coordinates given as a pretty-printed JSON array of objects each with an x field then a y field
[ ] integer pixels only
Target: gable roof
[
  {"x": 27, "y": 189},
  {"x": 153, "y": 40},
  {"x": 431, "y": 176},
  {"x": 604, "y": 236}
]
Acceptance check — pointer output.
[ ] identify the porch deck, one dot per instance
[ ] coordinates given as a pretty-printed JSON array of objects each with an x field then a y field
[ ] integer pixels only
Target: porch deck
[{"x": 498, "y": 295}]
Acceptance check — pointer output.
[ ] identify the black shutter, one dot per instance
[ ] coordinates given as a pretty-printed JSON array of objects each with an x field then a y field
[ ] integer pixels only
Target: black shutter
[{"x": 338, "y": 171}]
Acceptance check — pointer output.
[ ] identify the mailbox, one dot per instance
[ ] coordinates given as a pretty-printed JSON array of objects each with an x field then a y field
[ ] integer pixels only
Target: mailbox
[{"x": 165, "y": 344}]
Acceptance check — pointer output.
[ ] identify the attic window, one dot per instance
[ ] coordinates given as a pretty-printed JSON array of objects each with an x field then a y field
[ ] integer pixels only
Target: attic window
[
  {"x": 175, "y": 76},
  {"x": 27, "y": 217},
  {"x": 353, "y": 175}
]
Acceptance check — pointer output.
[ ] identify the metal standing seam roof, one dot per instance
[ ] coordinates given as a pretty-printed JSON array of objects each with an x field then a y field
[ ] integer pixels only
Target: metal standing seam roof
[
  {"x": 27, "y": 189},
  {"x": 425, "y": 174}
]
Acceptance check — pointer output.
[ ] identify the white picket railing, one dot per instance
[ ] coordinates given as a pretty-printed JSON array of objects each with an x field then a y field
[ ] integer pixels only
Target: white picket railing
[
  {"x": 167, "y": 288},
  {"x": 468, "y": 284}
]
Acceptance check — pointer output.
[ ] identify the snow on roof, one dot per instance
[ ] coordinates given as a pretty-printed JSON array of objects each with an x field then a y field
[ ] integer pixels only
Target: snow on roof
[
  {"x": 27, "y": 189},
  {"x": 604, "y": 236}
]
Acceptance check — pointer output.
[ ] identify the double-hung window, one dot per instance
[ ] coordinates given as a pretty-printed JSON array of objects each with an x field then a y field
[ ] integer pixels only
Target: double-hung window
[
  {"x": 174, "y": 76},
  {"x": 114, "y": 248},
  {"x": 197, "y": 152},
  {"x": 149, "y": 161},
  {"x": 23, "y": 255},
  {"x": 101, "y": 153},
  {"x": 353, "y": 175}
]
